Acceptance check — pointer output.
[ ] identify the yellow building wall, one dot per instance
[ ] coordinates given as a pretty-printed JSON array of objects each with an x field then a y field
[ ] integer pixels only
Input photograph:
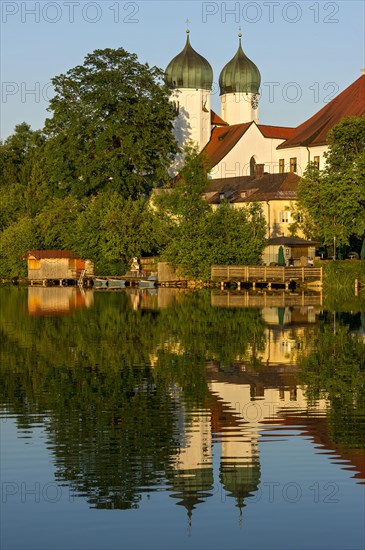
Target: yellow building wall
[{"x": 272, "y": 212}]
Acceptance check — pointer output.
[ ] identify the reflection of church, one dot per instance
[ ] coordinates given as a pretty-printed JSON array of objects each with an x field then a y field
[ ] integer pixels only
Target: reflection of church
[
  {"x": 250, "y": 161},
  {"x": 241, "y": 405}
]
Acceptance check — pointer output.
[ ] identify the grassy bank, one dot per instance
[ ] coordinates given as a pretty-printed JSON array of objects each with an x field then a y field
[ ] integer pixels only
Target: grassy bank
[{"x": 339, "y": 285}]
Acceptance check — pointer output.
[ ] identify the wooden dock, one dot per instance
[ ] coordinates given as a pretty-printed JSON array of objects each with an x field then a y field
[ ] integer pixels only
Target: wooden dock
[{"x": 266, "y": 275}]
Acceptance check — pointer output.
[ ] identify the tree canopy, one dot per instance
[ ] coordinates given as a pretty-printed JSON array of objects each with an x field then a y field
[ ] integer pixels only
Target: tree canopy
[
  {"x": 111, "y": 126},
  {"x": 201, "y": 237},
  {"x": 333, "y": 199}
]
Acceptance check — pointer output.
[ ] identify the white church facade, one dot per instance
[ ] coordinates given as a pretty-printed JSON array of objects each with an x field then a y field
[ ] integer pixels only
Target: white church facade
[{"x": 250, "y": 161}]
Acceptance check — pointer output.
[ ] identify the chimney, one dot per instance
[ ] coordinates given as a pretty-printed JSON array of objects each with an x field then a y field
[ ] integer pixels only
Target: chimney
[{"x": 259, "y": 172}]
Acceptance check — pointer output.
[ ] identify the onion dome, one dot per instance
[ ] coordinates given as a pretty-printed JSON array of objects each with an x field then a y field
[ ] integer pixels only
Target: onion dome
[
  {"x": 189, "y": 70},
  {"x": 240, "y": 74}
]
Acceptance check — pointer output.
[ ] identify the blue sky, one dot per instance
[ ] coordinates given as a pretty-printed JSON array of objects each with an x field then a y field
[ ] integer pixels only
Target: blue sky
[{"x": 306, "y": 51}]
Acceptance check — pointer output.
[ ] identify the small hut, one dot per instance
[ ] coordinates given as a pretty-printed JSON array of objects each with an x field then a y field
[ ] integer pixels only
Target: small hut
[
  {"x": 297, "y": 252},
  {"x": 56, "y": 265}
]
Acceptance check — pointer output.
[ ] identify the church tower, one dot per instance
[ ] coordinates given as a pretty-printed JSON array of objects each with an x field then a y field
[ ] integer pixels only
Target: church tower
[
  {"x": 190, "y": 77},
  {"x": 239, "y": 84}
]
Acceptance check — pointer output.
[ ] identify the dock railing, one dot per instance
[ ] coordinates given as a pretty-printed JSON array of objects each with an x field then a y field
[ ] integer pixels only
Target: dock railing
[{"x": 248, "y": 273}]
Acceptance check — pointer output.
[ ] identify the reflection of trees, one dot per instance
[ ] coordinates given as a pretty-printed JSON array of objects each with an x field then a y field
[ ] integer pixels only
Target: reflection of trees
[
  {"x": 335, "y": 368},
  {"x": 110, "y": 416}
]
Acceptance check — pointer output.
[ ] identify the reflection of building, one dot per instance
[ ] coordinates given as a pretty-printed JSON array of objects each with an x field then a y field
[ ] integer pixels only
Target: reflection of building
[
  {"x": 285, "y": 333},
  {"x": 57, "y": 300},
  {"x": 191, "y": 474}
]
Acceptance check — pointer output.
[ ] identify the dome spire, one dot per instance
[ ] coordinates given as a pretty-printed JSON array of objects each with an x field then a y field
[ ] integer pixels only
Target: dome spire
[
  {"x": 189, "y": 69},
  {"x": 240, "y": 74}
]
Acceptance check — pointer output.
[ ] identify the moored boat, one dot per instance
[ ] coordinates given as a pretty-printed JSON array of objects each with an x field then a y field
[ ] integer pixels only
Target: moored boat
[
  {"x": 101, "y": 283},
  {"x": 116, "y": 283},
  {"x": 150, "y": 282}
]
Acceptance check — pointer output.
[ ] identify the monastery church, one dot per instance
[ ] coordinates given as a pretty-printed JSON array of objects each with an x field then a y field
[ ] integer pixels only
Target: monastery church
[{"x": 250, "y": 161}]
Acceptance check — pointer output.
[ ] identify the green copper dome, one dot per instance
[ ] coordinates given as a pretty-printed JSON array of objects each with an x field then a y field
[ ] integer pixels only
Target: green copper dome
[
  {"x": 240, "y": 75},
  {"x": 189, "y": 70}
]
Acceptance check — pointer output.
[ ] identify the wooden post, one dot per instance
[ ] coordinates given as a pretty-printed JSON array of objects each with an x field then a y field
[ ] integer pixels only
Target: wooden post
[
  {"x": 356, "y": 287},
  {"x": 303, "y": 274},
  {"x": 238, "y": 285}
]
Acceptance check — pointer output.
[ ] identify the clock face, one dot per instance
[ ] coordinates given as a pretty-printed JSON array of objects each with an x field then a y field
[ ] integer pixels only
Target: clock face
[{"x": 254, "y": 101}]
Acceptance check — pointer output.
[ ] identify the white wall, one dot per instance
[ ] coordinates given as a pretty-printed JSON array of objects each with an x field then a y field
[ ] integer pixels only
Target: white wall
[
  {"x": 193, "y": 120},
  {"x": 252, "y": 143},
  {"x": 237, "y": 108}
]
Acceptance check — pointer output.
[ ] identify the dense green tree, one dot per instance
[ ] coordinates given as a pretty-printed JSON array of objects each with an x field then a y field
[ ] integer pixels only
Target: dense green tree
[
  {"x": 334, "y": 198},
  {"x": 37, "y": 193},
  {"x": 111, "y": 126},
  {"x": 56, "y": 222},
  {"x": 111, "y": 230},
  {"x": 19, "y": 156},
  {"x": 15, "y": 240},
  {"x": 201, "y": 237}
]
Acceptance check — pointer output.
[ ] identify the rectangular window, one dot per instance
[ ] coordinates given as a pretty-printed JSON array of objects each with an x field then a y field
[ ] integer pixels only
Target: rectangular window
[
  {"x": 316, "y": 162},
  {"x": 281, "y": 166},
  {"x": 293, "y": 164},
  {"x": 34, "y": 264},
  {"x": 284, "y": 216}
]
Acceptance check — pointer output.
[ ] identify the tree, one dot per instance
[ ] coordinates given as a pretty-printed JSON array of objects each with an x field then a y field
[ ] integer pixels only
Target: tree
[
  {"x": 15, "y": 240},
  {"x": 19, "y": 154},
  {"x": 111, "y": 230},
  {"x": 111, "y": 126},
  {"x": 201, "y": 237},
  {"x": 334, "y": 198},
  {"x": 56, "y": 222}
]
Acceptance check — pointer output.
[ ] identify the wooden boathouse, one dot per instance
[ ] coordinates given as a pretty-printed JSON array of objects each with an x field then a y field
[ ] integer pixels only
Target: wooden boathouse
[
  {"x": 248, "y": 276},
  {"x": 47, "y": 267}
]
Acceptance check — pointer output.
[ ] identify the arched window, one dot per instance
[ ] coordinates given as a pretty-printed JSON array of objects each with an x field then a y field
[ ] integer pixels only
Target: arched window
[{"x": 252, "y": 166}]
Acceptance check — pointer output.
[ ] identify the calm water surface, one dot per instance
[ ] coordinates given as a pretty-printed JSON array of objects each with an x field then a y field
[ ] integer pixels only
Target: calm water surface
[{"x": 177, "y": 420}]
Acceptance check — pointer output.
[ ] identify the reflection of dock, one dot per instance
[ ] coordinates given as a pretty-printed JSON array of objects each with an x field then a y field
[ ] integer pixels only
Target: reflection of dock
[{"x": 248, "y": 299}]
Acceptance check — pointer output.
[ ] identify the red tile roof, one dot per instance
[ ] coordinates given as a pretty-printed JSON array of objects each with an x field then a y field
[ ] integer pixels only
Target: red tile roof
[
  {"x": 217, "y": 120},
  {"x": 276, "y": 132},
  {"x": 50, "y": 254},
  {"x": 222, "y": 140},
  {"x": 350, "y": 102}
]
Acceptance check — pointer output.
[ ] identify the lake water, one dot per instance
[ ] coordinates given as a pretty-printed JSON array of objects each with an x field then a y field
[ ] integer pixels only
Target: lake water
[{"x": 180, "y": 420}]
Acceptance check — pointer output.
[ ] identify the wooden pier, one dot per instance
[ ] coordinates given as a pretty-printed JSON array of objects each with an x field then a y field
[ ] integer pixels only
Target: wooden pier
[{"x": 266, "y": 275}]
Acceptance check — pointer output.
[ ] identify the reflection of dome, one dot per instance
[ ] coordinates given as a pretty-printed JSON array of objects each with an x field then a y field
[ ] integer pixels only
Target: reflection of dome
[
  {"x": 240, "y": 481},
  {"x": 189, "y": 70},
  {"x": 239, "y": 75},
  {"x": 192, "y": 487}
]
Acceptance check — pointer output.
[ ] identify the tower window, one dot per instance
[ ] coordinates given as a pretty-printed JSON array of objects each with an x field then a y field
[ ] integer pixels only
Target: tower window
[
  {"x": 281, "y": 166},
  {"x": 293, "y": 164},
  {"x": 252, "y": 167}
]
